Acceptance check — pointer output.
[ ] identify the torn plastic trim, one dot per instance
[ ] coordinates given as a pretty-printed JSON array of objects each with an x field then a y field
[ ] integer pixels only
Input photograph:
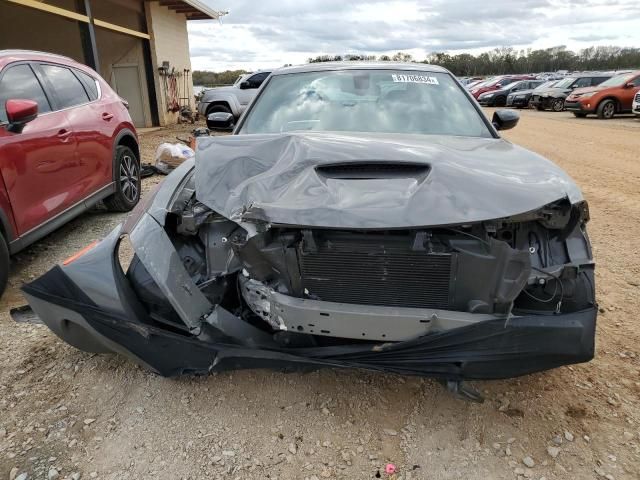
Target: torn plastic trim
[{"x": 343, "y": 320}]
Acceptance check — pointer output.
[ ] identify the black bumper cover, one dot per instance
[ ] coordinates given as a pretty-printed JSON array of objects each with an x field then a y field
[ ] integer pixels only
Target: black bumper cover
[
  {"x": 487, "y": 350},
  {"x": 576, "y": 107}
]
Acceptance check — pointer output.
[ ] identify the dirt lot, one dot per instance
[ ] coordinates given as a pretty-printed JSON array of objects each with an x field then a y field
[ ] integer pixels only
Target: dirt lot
[{"x": 104, "y": 417}]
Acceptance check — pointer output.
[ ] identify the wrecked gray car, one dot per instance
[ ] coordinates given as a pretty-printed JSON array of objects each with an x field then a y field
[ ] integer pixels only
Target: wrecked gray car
[{"x": 360, "y": 215}]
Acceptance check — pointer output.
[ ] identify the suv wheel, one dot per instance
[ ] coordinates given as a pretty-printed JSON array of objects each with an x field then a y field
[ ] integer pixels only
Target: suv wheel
[
  {"x": 127, "y": 181},
  {"x": 606, "y": 109},
  {"x": 557, "y": 105},
  {"x": 500, "y": 101},
  {"x": 4, "y": 264}
]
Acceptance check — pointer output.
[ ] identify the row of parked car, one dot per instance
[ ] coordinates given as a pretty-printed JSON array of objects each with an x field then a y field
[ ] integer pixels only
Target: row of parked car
[{"x": 604, "y": 94}]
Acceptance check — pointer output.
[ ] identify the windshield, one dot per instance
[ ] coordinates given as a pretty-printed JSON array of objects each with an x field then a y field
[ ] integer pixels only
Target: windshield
[
  {"x": 511, "y": 85},
  {"x": 565, "y": 83},
  {"x": 384, "y": 101},
  {"x": 549, "y": 84},
  {"x": 619, "y": 80}
]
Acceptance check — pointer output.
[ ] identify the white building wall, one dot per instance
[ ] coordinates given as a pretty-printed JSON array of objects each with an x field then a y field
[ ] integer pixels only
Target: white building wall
[{"x": 169, "y": 42}]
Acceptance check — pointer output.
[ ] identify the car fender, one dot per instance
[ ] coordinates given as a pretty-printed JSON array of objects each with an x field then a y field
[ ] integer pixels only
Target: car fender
[
  {"x": 7, "y": 224},
  {"x": 126, "y": 132},
  {"x": 223, "y": 97},
  {"x": 610, "y": 97}
]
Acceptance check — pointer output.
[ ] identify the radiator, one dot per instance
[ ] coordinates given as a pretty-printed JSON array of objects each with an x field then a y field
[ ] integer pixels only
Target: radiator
[{"x": 376, "y": 271}]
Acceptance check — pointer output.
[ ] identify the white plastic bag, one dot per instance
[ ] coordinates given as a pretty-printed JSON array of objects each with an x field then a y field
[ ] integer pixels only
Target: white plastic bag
[{"x": 171, "y": 155}]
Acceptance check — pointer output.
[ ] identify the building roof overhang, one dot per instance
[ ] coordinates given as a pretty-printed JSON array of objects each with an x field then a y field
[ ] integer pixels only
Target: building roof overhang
[{"x": 192, "y": 9}]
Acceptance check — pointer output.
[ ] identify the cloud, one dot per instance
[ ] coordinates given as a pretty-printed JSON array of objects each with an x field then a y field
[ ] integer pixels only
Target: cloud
[{"x": 270, "y": 33}]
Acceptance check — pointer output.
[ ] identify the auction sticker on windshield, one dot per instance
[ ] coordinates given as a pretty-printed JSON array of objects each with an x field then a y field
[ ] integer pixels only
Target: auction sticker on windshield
[{"x": 401, "y": 78}]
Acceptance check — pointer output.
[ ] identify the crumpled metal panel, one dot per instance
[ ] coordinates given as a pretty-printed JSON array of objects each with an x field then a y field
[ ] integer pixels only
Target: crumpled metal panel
[{"x": 273, "y": 178}]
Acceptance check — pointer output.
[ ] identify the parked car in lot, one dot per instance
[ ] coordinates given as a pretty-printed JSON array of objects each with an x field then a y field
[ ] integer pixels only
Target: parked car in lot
[
  {"x": 611, "y": 97},
  {"x": 553, "y": 98},
  {"x": 498, "y": 98},
  {"x": 234, "y": 98},
  {"x": 476, "y": 83},
  {"x": 635, "y": 108},
  {"x": 361, "y": 215},
  {"x": 521, "y": 98},
  {"x": 66, "y": 143},
  {"x": 496, "y": 83}
]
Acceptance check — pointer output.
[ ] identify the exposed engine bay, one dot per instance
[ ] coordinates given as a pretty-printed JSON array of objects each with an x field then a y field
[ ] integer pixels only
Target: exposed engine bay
[{"x": 315, "y": 286}]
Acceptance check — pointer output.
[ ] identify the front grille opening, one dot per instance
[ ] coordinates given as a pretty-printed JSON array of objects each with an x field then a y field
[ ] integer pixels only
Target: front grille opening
[
  {"x": 373, "y": 170},
  {"x": 378, "y": 270}
]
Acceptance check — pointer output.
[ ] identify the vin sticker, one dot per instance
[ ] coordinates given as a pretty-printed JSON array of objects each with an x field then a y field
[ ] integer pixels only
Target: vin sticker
[{"x": 414, "y": 79}]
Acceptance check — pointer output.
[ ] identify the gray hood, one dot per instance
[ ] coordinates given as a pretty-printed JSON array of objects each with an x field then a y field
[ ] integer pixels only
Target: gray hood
[{"x": 290, "y": 179}]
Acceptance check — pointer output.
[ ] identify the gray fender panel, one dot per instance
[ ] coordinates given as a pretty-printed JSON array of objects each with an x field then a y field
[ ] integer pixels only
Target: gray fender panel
[{"x": 160, "y": 258}]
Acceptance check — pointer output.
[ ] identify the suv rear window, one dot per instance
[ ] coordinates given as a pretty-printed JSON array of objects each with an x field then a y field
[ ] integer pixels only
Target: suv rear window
[
  {"x": 19, "y": 82},
  {"x": 89, "y": 84},
  {"x": 68, "y": 89}
]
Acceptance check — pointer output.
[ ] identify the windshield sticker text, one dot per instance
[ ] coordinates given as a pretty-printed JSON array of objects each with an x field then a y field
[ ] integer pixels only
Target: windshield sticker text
[{"x": 414, "y": 79}]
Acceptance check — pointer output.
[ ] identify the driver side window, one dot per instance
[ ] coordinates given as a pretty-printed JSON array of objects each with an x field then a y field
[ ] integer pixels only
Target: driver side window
[
  {"x": 582, "y": 82},
  {"x": 256, "y": 80},
  {"x": 19, "y": 82}
]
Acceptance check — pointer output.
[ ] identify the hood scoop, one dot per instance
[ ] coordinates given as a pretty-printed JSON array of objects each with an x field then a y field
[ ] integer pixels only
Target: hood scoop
[{"x": 373, "y": 170}]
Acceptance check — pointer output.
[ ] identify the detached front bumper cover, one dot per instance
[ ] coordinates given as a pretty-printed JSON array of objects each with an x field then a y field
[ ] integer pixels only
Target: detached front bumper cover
[{"x": 489, "y": 349}]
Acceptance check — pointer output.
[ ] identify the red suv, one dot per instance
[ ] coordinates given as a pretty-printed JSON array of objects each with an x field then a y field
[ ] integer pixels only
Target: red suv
[
  {"x": 66, "y": 143},
  {"x": 607, "y": 99}
]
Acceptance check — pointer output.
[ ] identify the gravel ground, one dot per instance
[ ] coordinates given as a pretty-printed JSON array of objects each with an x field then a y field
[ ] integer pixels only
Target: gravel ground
[{"x": 68, "y": 414}]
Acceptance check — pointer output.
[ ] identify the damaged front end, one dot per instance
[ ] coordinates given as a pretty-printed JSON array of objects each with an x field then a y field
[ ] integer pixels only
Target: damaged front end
[{"x": 203, "y": 292}]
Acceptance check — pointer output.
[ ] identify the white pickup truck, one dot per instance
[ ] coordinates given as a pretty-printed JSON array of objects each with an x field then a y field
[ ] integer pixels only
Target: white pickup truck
[{"x": 233, "y": 98}]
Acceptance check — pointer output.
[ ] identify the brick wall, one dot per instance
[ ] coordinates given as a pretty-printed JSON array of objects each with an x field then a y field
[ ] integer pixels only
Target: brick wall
[{"x": 169, "y": 42}]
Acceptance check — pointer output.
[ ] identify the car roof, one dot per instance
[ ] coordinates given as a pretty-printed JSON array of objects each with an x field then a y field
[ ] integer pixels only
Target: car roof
[
  {"x": 357, "y": 65},
  {"x": 15, "y": 55}
]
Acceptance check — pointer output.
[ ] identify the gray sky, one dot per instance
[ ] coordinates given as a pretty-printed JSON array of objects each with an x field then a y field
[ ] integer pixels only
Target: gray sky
[{"x": 269, "y": 33}]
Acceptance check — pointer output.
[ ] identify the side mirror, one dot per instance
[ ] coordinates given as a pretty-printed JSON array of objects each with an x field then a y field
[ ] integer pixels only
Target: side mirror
[
  {"x": 505, "y": 119},
  {"x": 245, "y": 85},
  {"x": 221, "y": 121},
  {"x": 19, "y": 113},
  {"x": 629, "y": 85}
]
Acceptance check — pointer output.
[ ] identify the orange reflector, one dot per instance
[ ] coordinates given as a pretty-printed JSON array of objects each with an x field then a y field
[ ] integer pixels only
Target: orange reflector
[{"x": 80, "y": 253}]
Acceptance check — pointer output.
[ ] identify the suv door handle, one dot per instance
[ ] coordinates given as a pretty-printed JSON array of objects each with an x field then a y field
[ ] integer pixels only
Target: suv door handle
[
  {"x": 107, "y": 116},
  {"x": 63, "y": 134}
]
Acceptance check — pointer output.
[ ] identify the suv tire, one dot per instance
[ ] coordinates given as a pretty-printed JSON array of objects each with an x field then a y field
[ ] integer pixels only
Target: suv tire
[
  {"x": 4, "y": 264},
  {"x": 128, "y": 182},
  {"x": 606, "y": 109}
]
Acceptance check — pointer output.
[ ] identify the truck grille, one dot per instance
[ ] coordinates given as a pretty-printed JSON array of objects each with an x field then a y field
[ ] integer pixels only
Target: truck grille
[{"x": 370, "y": 271}]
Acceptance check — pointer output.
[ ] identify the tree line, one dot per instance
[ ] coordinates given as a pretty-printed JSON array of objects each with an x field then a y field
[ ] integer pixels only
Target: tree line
[
  {"x": 210, "y": 79},
  {"x": 509, "y": 60},
  {"x": 495, "y": 62}
]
